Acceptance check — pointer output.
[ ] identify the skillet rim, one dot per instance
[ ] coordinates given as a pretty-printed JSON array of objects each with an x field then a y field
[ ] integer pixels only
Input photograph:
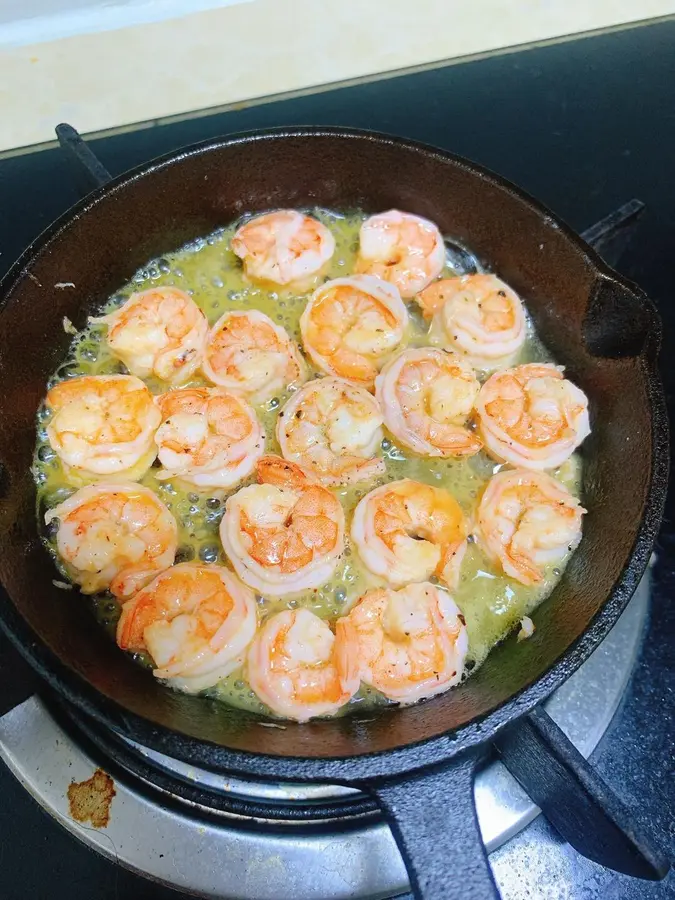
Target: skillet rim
[{"x": 410, "y": 757}]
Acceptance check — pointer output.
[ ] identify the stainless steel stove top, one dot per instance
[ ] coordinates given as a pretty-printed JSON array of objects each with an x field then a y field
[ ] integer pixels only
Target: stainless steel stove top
[{"x": 210, "y": 853}]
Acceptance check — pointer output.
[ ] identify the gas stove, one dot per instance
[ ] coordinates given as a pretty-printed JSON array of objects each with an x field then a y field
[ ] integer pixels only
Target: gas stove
[
  {"x": 580, "y": 131},
  {"x": 265, "y": 841}
]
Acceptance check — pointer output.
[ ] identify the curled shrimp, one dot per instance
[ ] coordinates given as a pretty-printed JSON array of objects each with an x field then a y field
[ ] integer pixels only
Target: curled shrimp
[
  {"x": 527, "y": 520},
  {"x": 102, "y": 425},
  {"x": 208, "y": 439},
  {"x": 406, "y": 531},
  {"x": 300, "y": 669},
  {"x": 406, "y": 250},
  {"x": 333, "y": 429},
  {"x": 351, "y": 325},
  {"x": 412, "y": 642},
  {"x": 116, "y": 536},
  {"x": 532, "y": 416},
  {"x": 283, "y": 247},
  {"x": 247, "y": 354},
  {"x": 158, "y": 332},
  {"x": 196, "y": 621},
  {"x": 478, "y": 316},
  {"x": 284, "y": 534},
  {"x": 427, "y": 396}
]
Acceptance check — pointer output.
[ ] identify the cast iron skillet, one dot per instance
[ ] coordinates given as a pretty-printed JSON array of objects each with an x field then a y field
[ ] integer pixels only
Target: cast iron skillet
[{"x": 419, "y": 761}]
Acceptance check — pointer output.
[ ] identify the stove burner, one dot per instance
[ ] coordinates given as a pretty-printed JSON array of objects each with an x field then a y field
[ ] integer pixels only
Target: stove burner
[{"x": 249, "y": 836}]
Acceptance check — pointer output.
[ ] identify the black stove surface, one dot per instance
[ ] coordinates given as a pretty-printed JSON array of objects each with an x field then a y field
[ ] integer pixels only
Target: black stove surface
[{"x": 584, "y": 126}]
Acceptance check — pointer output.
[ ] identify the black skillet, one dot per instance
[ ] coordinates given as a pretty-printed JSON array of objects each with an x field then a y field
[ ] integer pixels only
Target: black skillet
[{"x": 418, "y": 762}]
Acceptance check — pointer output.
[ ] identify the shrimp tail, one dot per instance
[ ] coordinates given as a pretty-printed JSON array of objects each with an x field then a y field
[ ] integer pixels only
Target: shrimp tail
[
  {"x": 282, "y": 473},
  {"x": 451, "y": 563}
]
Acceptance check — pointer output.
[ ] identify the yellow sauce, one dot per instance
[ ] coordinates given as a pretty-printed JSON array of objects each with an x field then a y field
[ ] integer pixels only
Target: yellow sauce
[{"x": 491, "y": 603}]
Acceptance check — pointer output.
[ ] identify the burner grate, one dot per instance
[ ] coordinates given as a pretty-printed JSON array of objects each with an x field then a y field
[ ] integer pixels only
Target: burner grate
[{"x": 211, "y": 793}]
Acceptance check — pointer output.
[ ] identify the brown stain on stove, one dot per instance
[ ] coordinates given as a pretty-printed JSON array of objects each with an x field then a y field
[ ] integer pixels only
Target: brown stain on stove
[{"x": 90, "y": 800}]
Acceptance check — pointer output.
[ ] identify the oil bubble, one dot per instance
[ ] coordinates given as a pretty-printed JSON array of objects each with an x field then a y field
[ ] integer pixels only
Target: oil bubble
[
  {"x": 185, "y": 553},
  {"x": 209, "y": 553}
]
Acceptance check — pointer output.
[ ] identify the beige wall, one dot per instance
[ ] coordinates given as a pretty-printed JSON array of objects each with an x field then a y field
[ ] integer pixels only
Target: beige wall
[{"x": 240, "y": 52}]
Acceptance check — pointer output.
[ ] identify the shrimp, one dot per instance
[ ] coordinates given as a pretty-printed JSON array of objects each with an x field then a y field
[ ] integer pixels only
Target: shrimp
[
  {"x": 532, "y": 416},
  {"x": 158, "y": 332},
  {"x": 427, "y": 397},
  {"x": 351, "y": 325},
  {"x": 284, "y": 534},
  {"x": 333, "y": 428},
  {"x": 196, "y": 621},
  {"x": 477, "y": 316},
  {"x": 527, "y": 520},
  {"x": 208, "y": 439},
  {"x": 406, "y": 531},
  {"x": 249, "y": 355},
  {"x": 115, "y": 536},
  {"x": 412, "y": 642},
  {"x": 405, "y": 250},
  {"x": 300, "y": 669},
  {"x": 283, "y": 247},
  {"x": 103, "y": 425}
]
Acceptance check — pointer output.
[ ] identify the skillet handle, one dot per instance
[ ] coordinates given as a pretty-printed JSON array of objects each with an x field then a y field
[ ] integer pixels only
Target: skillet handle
[
  {"x": 575, "y": 800},
  {"x": 433, "y": 819}
]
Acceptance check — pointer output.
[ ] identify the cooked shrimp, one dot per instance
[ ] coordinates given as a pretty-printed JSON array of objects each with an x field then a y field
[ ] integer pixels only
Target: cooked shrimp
[
  {"x": 427, "y": 397},
  {"x": 116, "y": 536},
  {"x": 532, "y": 416},
  {"x": 406, "y": 250},
  {"x": 196, "y": 621},
  {"x": 283, "y": 247},
  {"x": 103, "y": 425},
  {"x": 351, "y": 325},
  {"x": 208, "y": 438},
  {"x": 158, "y": 332},
  {"x": 527, "y": 520},
  {"x": 284, "y": 534},
  {"x": 248, "y": 354},
  {"x": 300, "y": 669},
  {"x": 406, "y": 531},
  {"x": 412, "y": 642},
  {"x": 478, "y": 316},
  {"x": 333, "y": 428}
]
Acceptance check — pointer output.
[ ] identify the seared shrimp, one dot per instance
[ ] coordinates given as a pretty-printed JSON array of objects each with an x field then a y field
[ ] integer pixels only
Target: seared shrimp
[
  {"x": 116, "y": 536},
  {"x": 427, "y": 397},
  {"x": 158, "y": 332},
  {"x": 248, "y": 354},
  {"x": 333, "y": 428},
  {"x": 478, "y": 316},
  {"x": 527, "y": 520},
  {"x": 300, "y": 669},
  {"x": 351, "y": 325},
  {"x": 196, "y": 622},
  {"x": 284, "y": 534},
  {"x": 208, "y": 438},
  {"x": 406, "y": 250},
  {"x": 103, "y": 425},
  {"x": 412, "y": 642},
  {"x": 283, "y": 247},
  {"x": 532, "y": 416},
  {"x": 406, "y": 531}
]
